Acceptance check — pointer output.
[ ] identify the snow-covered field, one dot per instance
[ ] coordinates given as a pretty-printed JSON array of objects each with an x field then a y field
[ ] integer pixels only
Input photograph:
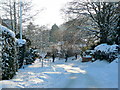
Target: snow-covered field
[{"x": 60, "y": 74}]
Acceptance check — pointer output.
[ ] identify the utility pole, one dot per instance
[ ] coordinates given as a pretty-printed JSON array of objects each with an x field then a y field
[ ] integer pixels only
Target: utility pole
[
  {"x": 15, "y": 20},
  {"x": 20, "y": 19},
  {"x": 11, "y": 17}
]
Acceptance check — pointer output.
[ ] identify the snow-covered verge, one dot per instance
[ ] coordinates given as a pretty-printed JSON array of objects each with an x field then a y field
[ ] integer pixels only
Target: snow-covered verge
[{"x": 72, "y": 74}]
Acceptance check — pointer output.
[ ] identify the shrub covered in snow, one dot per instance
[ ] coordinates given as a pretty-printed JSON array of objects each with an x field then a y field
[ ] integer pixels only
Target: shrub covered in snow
[
  {"x": 13, "y": 53},
  {"x": 31, "y": 55},
  {"x": 21, "y": 55},
  {"x": 6, "y": 31},
  {"x": 9, "y": 62},
  {"x": 20, "y": 42},
  {"x": 106, "y": 52},
  {"x": 21, "y": 47}
]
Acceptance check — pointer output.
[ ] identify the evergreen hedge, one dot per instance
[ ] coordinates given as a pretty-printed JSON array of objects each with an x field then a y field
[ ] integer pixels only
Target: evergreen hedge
[{"x": 9, "y": 61}]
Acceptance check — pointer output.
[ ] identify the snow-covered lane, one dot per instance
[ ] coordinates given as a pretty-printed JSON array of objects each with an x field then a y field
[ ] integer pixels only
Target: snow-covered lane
[{"x": 72, "y": 74}]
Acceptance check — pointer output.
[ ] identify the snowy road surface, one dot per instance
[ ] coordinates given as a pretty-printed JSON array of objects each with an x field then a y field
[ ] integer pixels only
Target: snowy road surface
[{"x": 72, "y": 74}]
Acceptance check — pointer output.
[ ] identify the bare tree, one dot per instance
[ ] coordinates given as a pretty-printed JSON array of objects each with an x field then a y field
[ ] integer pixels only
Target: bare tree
[
  {"x": 103, "y": 14},
  {"x": 10, "y": 9}
]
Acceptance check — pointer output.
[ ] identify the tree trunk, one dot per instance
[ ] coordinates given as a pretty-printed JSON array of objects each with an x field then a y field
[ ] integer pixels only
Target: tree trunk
[{"x": 103, "y": 36}]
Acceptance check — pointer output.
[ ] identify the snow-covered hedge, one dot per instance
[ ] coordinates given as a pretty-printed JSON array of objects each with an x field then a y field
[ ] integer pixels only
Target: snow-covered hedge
[
  {"x": 21, "y": 47},
  {"x": 107, "y": 48},
  {"x": 7, "y": 31},
  {"x": 13, "y": 53},
  {"x": 9, "y": 62},
  {"x": 25, "y": 55},
  {"x": 20, "y": 42},
  {"x": 31, "y": 55},
  {"x": 106, "y": 52}
]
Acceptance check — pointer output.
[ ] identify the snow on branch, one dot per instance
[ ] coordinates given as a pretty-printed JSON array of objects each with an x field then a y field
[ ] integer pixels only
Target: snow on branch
[{"x": 5, "y": 30}]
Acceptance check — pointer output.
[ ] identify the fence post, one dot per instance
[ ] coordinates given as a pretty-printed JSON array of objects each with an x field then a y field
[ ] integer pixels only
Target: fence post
[{"x": 42, "y": 62}]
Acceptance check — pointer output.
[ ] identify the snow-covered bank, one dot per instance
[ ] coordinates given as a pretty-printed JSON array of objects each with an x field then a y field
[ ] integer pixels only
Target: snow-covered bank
[{"x": 72, "y": 74}]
